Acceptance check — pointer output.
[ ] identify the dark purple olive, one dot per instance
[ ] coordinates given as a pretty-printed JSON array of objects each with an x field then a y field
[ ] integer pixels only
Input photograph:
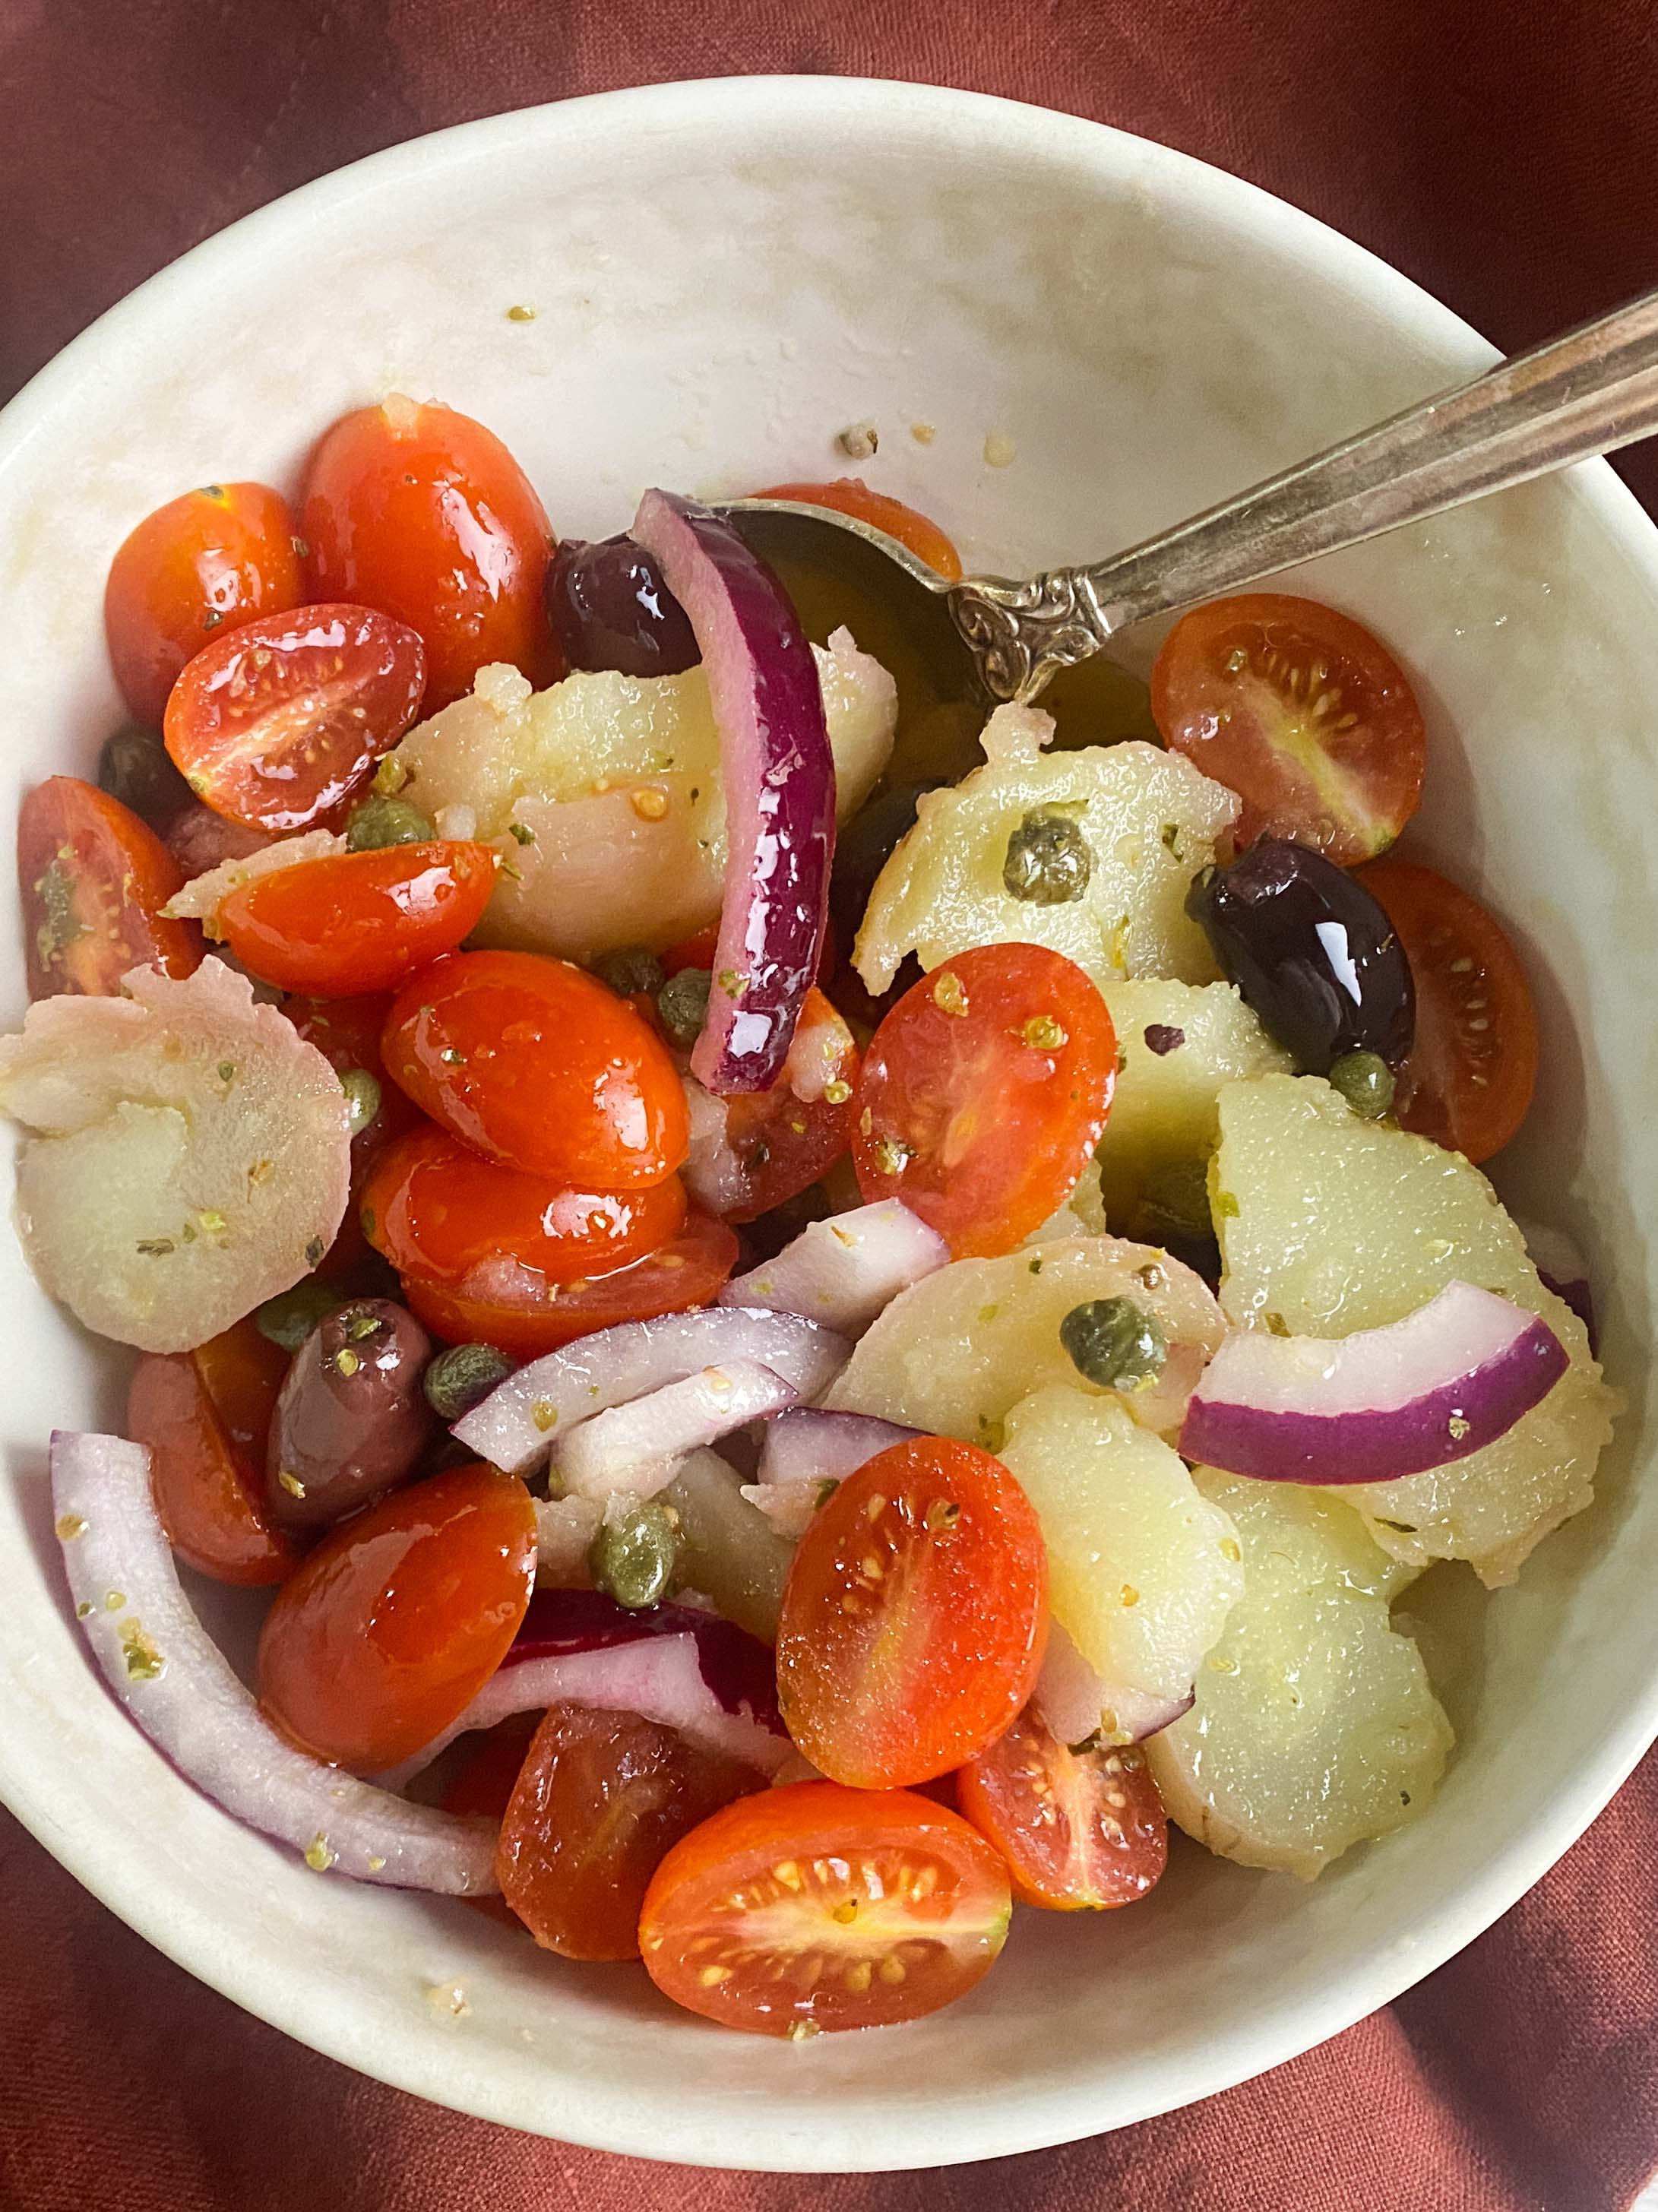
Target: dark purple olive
[
  {"x": 609, "y": 607},
  {"x": 351, "y": 1418},
  {"x": 1311, "y": 952}
]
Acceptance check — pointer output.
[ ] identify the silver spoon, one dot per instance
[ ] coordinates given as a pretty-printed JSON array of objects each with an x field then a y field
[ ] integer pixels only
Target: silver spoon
[{"x": 1589, "y": 393}]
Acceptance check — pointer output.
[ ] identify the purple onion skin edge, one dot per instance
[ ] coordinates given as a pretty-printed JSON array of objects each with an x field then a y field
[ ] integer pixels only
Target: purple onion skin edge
[
  {"x": 1579, "y": 1297},
  {"x": 739, "y": 1671}
]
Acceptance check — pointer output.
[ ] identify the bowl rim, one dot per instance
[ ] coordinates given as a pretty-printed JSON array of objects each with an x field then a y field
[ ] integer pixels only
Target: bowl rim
[{"x": 790, "y": 2135}]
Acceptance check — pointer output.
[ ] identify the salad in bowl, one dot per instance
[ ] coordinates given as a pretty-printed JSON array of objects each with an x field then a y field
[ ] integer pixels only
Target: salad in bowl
[{"x": 793, "y": 1352}]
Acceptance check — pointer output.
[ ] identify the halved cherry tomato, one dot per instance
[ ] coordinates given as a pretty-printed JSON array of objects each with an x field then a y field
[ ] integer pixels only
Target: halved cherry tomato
[
  {"x": 815, "y": 1907},
  {"x": 852, "y": 495},
  {"x": 277, "y": 725},
  {"x": 438, "y": 1211},
  {"x": 686, "y": 1272},
  {"x": 1300, "y": 711},
  {"x": 777, "y": 1143},
  {"x": 1472, "y": 1068},
  {"x": 1078, "y": 1828},
  {"x": 204, "y": 1415},
  {"x": 355, "y": 922},
  {"x": 424, "y": 512},
  {"x": 196, "y": 569},
  {"x": 94, "y": 879},
  {"x": 347, "y": 1032},
  {"x": 535, "y": 1064},
  {"x": 599, "y": 1801},
  {"x": 398, "y": 1618},
  {"x": 913, "y": 1617},
  {"x": 984, "y": 1093}
]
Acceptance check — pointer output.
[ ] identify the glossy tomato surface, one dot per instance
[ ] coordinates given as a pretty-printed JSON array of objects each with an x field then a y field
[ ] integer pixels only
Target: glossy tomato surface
[
  {"x": 347, "y": 1032},
  {"x": 398, "y": 1618},
  {"x": 773, "y": 1145},
  {"x": 92, "y": 880},
  {"x": 358, "y": 922},
  {"x": 851, "y": 495},
  {"x": 1079, "y": 1829}
]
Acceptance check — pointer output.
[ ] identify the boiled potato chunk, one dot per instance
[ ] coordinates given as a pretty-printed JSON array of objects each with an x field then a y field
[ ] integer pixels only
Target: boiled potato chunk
[
  {"x": 1314, "y": 1726},
  {"x": 1150, "y": 822},
  {"x": 1328, "y": 1224},
  {"x": 1142, "y": 1570}
]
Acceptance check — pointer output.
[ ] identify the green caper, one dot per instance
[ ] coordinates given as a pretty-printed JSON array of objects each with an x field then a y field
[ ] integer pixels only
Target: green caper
[
  {"x": 683, "y": 1003},
  {"x": 134, "y": 767},
  {"x": 379, "y": 821},
  {"x": 462, "y": 1378},
  {"x": 362, "y": 1097},
  {"x": 630, "y": 971},
  {"x": 632, "y": 1557},
  {"x": 289, "y": 1317},
  {"x": 1365, "y": 1081},
  {"x": 1048, "y": 860},
  {"x": 1174, "y": 1201},
  {"x": 1115, "y": 1342}
]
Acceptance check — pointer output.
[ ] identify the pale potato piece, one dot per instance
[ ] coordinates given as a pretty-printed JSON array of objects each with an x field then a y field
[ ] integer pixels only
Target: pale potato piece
[
  {"x": 1142, "y": 1570},
  {"x": 614, "y": 783},
  {"x": 1314, "y": 1726},
  {"x": 1150, "y": 818},
  {"x": 203, "y": 896},
  {"x": 1328, "y": 1224},
  {"x": 956, "y": 1353},
  {"x": 189, "y": 1158}
]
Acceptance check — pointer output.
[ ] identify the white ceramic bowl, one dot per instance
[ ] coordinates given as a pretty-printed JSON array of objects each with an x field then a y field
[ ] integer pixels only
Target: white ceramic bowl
[{"x": 723, "y": 276}]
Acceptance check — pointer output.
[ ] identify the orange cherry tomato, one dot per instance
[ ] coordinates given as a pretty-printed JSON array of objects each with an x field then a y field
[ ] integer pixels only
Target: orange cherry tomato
[
  {"x": 395, "y": 1622},
  {"x": 687, "y": 1272},
  {"x": 424, "y": 512},
  {"x": 94, "y": 879},
  {"x": 815, "y": 1907},
  {"x": 204, "y": 1415},
  {"x": 440, "y": 1212},
  {"x": 851, "y": 495},
  {"x": 1300, "y": 711},
  {"x": 984, "y": 1093},
  {"x": 355, "y": 922},
  {"x": 780, "y": 1141},
  {"x": 913, "y": 1617},
  {"x": 599, "y": 1801},
  {"x": 276, "y": 726},
  {"x": 1473, "y": 1068},
  {"x": 535, "y": 1064},
  {"x": 347, "y": 1032},
  {"x": 200, "y": 567},
  {"x": 697, "y": 950},
  {"x": 1077, "y": 1829}
]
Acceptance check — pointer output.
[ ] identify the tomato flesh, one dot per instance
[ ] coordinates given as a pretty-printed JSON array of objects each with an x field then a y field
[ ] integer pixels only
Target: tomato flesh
[
  {"x": 1473, "y": 1068},
  {"x": 347, "y": 1032},
  {"x": 196, "y": 569},
  {"x": 779, "y": 1142},
  {"x": 1079, "y": 1830},
  {"x": 851, "y": 495},
  {"x": 277, "y": 725},
  {"x": 913, "y": 1617},
  {"x": 398, "y": 1619},
  {"x": 1300, "y": 711},
  {"x": 984, "y": 1092},
  {"x": 537, "y": 1065},
  {"x": 813, "y": 1907},
  {"x": 356, "y": 922},
  {"x": 94, "y": 879}
]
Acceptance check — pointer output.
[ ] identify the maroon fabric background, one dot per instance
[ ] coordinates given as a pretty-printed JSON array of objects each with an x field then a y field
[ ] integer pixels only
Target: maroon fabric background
[{"x": 1502, "y": 152}]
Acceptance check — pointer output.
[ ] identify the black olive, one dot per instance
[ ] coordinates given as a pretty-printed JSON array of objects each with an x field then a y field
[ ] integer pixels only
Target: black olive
[
  {"x": 136, "y": 768},
  {"x": 351, "y": 1419},
  {"x": 609, "y": 607},
  {"x": 1311, "y": 952}
]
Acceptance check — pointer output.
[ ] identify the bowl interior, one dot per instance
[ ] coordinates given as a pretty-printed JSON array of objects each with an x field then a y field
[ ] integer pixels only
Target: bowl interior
[{"x": 722, "y": 277}]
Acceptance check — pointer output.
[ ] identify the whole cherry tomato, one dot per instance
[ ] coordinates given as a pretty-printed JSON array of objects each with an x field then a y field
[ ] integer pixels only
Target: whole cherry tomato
[
  {"x": 423, "y": 513},
  {"x": 1078, "y": 1828},
  {"x": 851, "y": 495},
  {"x": 94, "y": 879},
  {"x": 354, "y": 922}
]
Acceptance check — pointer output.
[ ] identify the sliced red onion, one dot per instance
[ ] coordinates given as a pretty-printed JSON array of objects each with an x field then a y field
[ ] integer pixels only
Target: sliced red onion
[
  {"x": 1074, "y": 1704},
  {"x": 804, "y": 1453},
  {"x": 847, "y": 1270},
  {"x": 565, "y": 1528},
  {"x": 1563, "y": 1270},
  {"x": 1382, "y": 1403},
  {"x": 636, "y": 1449},
  {"x": 779, "y": 787},
  {"x": 179, "y": 1688},
  {"x": 515, "y": 1426}
]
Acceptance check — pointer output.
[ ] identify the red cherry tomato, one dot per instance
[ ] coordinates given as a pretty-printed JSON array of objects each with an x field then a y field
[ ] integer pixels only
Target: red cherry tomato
[
  {"x": 424, "y": 512},
  {"x": 354, "y": 922},
  {"x": 697, "y": 950},
  {"x": 814, "y": 1907},
  {"x": 94, "y": 879},
  {"x": 537, "y": 1065},
  {"x": 851, "y": 495},
  {"x": 913, "y": 1617},
  {"x": 777, "y": 1143},
  {"x": 1473, "y": 1068},
  {"x": 196, "y": 568},
  {"x": 483, "y": 1784},
  {"x": 984, "y": 1093},
  {"x": 347, "y": 1032},
  {"x": 395, "y": 1622},
  {"x": 1077, "y": 1829},
  {"x": 279, "y": 724},
  {"x": 204, "y": 1415},
  {"x": 687, "y": 1272},
  {"x": 1300, "y": 711}
]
